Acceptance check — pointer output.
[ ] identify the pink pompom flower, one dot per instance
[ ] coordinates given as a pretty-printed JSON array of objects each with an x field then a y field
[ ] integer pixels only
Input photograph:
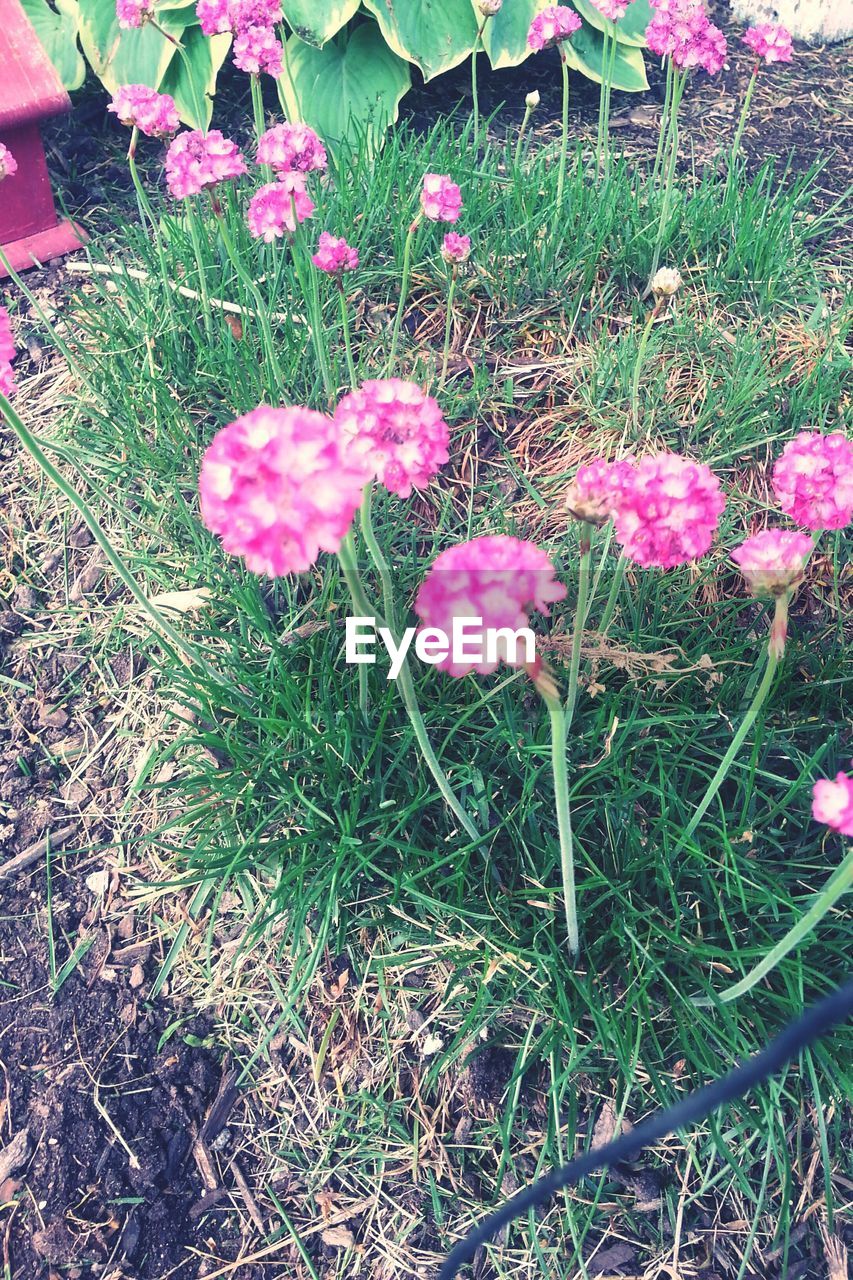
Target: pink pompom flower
[
  {"x": 551, "y": 26},
  {"x": 667, "y": 511},
  {"x": 594, "y": 495},
  {"x": 832, "y": 803},
  {"x": 152, "y": 113},
  {"x": 8, "y": 163},
  {"x": 441, "y": 199},
  {"x": 276, "y": 487},
  {"x": 286, "y": 147},
  {"x": 256, "y": 50},
  {"x": 196, "y": 160},
  {"x": 813, "y": 480},
  {"x": 682, "y": 30},
  {"x": 770, "y": 42},
  {"x": 132, "y": 14},
  {"x": 495, "y": 578},
  {"x": 396, "y": 431},
  {"x": 218, "y": 16},
  {"x": 772, "y": 561},
  {"x": 614, "y": 10},
  {"x": 277, "y": 207},
  {"x": 455, "y": 248},
  {"x": 334, "y": 255}
]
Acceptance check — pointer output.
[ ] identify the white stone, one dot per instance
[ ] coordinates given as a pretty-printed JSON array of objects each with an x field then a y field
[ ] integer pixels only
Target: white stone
[{"x": 815, "y": 21}]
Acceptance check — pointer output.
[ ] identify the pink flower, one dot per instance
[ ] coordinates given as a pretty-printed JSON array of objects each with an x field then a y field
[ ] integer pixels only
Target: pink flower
[
  {"x": 219, "y": 16},
  {"x": 285, "y": 147},
  {"x": 667, "y": 511},
  {"x": 213, "y": 16},
  {"x": 334, "y": 255},
  {"x": 7, "y": 355},
  {"x": 813, "y": 480},
  {"x": 832, "y": 803},
  {"x": 133, "y": 13},
  {"x": 770, "y": 42},
  {"x": 256, "y": 50},
  {"x": 773, "y": 561},
  {"x": 612, "y": 9},
  {"x": 551, "y": 26},
  {"x": 277, "y": 489},
  {"x": 152, "y": 113},
  {"x": 8, "y": 163},
  {"x": 441, "y": 199},
  {"x": 496, "y": 579},
  {"x": 455, "y": 248},
  {"x": 196, "y": 160},
  {"x": 681, "y": 30},
  {"x": 272, "y": 207},
  {"x": 594, "y": 496},
  {"x": 395, "y": 431}
]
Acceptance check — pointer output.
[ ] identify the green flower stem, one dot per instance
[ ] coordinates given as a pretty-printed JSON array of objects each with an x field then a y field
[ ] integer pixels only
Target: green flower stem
[
  {"x": 193, "y": 222},
  {"x": 580, "y": 621},
  {"x": 258, "y": 112},
  {"x": 310, "y": 290},
  {"x": 611, "y": 71},
  {"x": 353, "y": 376},
  {"x": 474, "y": 95},
  {"x": 615, "y": 585},
  {"x": 260, "y": 308},
  {"x": 404, "y": 290},
  {"x": 664, "y": 122},
  {"x": 823, "y": 901},
  {"x": 528, "y": 112},
  {"x": 672, "y": 143},
  {"x": 564, "y": 818},
  {"x": 447, "y": 323},
  {"x": 564, "y": 138},
  {"x": 404, "y": 681},
  {"x": 638, "y": 367},
  {"x": 29, "y": 442},
  {"x": 775, "y": 646},
  {"x": 743, "y": 118},
  {"x": 145, "y": 211},
  {"x": 348, "y": 561},
  {"x": 600, "y": 134}
]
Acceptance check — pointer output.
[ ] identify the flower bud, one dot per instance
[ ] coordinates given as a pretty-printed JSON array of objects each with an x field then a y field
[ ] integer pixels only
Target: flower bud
[
  {"x": 666, "y": 282},
  {"x": 489, "y": 8},
  {"x": 532, "y": 100}
]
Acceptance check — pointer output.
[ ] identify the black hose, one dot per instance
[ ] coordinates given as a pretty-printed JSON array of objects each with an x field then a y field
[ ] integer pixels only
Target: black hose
[{"x": 814, "y": 1023}]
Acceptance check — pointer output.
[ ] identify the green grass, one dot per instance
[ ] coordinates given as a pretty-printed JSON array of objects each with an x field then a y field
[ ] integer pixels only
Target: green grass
[{"x": 328, "y": 833}]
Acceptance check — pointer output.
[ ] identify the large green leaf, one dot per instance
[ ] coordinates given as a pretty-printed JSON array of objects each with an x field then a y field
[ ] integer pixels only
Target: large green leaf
[
  {"x": 505, "y": 35},
  {"x": 316, "y": 21},
  {"x": 434, "y": 34},
  {"x": 128, "y": 57},
  {"x": 585, "y": 53},
  {"x": 629, "y": 30},
  {"x": 346, "y": 89},
  {"x": 205, "y": 55},
  {"x": 57, "y": 32}
]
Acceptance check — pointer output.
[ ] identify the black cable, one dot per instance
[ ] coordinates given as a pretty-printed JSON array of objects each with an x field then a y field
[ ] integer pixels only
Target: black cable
[{"x": 814, "y": 1023}]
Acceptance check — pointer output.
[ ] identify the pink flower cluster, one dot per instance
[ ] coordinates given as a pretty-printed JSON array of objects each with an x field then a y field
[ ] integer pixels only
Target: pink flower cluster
[
  {"x": 196, "y": 160},
  {"x": 772, "y": 561},
  {"x": 277, "y": 207},
  {"x": 667, "y": 511},
  {"x": 682, "y": 31},
  {"x": 441, "y": 199},
  {"x": 813, "y": 480},
  {"x": 286, "y": 147},
  {"x": 131, "y": 14},
  {"x": 7, "y": 354},
  {"x": 256, "y": 48},
  {"x": 455, "y": 248},
  {"x": 832, "y": 803},
  {"x": 612, "y": 9},
  {"x": 495, "y": 578},
  {"x": 8, "y": 163},
  {"x": 552, "y": 25},
  {"x": 278, "y": 489},
  {"x": 334, "y": 255},
  {"x": 395, "y": 431},
  {"x": 594, "y": 495},
  {"x": 770, "y": 42},
  {"x": 152, "y": 113}
]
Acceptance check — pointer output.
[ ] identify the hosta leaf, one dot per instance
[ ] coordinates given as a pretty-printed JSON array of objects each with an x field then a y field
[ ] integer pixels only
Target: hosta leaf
[
  {"x": 505, "y": 35},
  {"x": 57, "y": 33},
  {"x": 434, "y": 34},
  {"x": 346, "y": 89},
  {"x": 584, "y": 52},
  {"x": 205, "y": 55},
  {"x": 316, "y": 21},
  {"x": 629, "y": 30},
  {"x": 128, "y": 57}
]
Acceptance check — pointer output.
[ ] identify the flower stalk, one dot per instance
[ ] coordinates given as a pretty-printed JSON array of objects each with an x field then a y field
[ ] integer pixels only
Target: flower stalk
[
  {"x": 451, "y": 291},
  {"x": 404, "y": 289},
  {"x": 551, "y": 698}
]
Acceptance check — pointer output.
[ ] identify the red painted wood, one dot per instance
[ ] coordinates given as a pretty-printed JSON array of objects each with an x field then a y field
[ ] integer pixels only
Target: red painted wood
[{"x": 30, "y": 91}]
